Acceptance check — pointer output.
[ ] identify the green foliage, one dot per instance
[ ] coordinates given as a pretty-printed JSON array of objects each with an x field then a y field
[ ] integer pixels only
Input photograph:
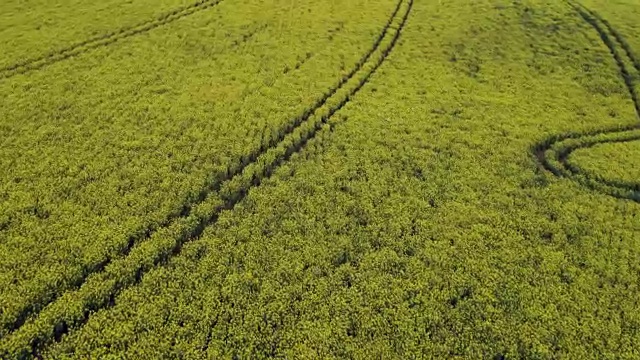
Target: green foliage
[
  {"x": 96, "y": 167},
  {"x": 336, "y": 188},
  {"x": 612, "y": 162},
  {"x": 559, "y": 148},
  {"x": 35, "y": 29}
]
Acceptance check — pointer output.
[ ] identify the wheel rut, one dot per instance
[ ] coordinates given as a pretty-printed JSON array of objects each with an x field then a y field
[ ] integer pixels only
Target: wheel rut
[{"x": 553, "y": 154}]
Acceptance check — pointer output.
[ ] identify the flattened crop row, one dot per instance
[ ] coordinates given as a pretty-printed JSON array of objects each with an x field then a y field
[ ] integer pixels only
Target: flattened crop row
[
  {"x": 553, "y": 153},
  {"x": 99, "y": 291},
  {"x": 105, "y": 39}
]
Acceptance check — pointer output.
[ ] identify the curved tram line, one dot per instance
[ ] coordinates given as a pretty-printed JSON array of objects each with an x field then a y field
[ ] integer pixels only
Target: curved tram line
[
  {"x": 553, "y": 154},
  {"x": 104, "y": 40},
  {"x": 73, "y": 309}
]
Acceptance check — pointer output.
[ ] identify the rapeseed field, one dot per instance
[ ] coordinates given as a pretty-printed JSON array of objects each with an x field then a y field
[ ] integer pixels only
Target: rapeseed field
[{"x": 389, "y": 179}]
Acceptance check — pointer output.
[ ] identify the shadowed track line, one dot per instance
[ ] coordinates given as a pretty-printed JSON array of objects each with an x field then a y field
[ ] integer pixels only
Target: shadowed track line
[
  {"x": 104, "y": 40},
  {"x": 559, "y": 164},
  {"x": 99, "y": 291}
]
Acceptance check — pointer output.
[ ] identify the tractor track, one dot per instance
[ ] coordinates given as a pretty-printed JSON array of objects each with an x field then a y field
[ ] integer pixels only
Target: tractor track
[
  {"x": 105, "y": 39},
  {"x": 553, "y": 155},
  {"x": 55, "y": 320}
]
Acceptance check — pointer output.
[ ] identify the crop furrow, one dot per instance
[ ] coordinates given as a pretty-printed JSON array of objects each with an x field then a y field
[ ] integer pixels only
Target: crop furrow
[
  {"x": 99, "y": 290},
  {"x": 105, "y": 39},
  {"x": 553, "y": 153}
]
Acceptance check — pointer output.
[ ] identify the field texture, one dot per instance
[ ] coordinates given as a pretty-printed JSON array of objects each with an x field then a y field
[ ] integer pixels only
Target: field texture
[{"x": 320, "y": 179}]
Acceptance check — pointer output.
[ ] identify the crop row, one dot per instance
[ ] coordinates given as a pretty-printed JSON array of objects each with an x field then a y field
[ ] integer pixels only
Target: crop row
[
  {"x": 553, "y": 153},
  {"x": 99, "y": 290},
  {"x": 105, "y": 39}
]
